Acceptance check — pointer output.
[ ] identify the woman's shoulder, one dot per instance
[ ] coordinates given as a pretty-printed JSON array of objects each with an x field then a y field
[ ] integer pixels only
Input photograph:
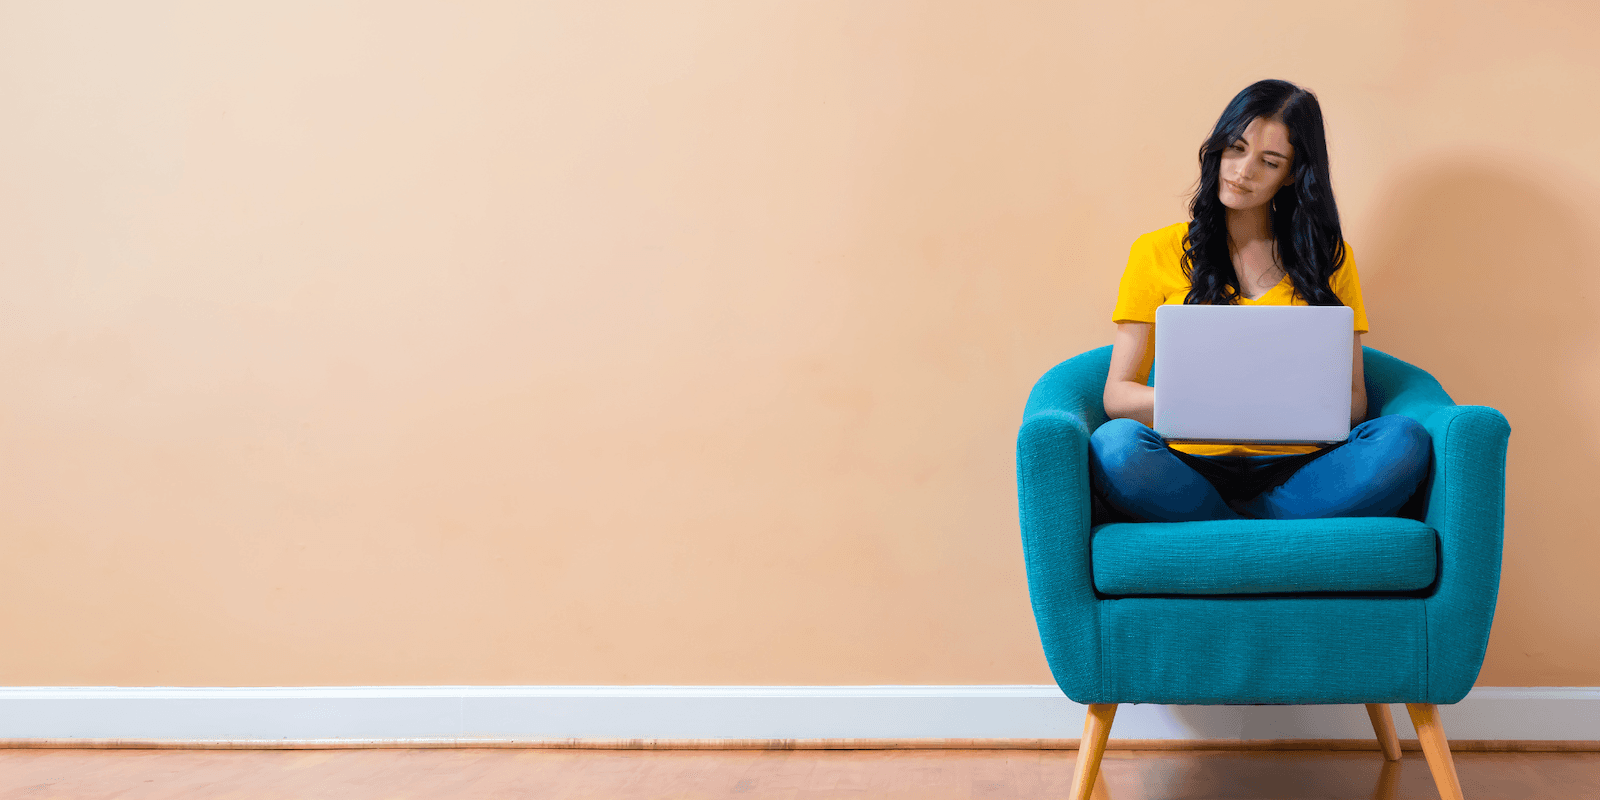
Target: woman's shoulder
[
  {"x": 1161, "y": 249},
  {"x": 1166, "y": 238},
  {"x": 1154, "y": 275}
]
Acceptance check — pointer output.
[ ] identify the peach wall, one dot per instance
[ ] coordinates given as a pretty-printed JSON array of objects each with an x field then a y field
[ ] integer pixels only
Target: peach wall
[{"x": 685, "y": 343}]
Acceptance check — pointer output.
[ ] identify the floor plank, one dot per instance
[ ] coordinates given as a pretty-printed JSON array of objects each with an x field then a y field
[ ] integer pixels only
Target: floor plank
[{"x": 779, "y": 774}]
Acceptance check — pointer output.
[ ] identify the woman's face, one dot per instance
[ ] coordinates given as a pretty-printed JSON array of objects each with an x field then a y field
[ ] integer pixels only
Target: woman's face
[{"x": 1255, "y": 166}]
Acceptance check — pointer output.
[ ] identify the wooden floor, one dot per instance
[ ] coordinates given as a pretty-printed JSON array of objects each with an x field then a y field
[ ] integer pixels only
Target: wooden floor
[{"x": 921, "y": 774}]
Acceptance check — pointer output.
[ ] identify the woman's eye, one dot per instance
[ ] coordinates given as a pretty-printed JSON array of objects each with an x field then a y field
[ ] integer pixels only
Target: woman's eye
[{"x": 1271, "y": 165}]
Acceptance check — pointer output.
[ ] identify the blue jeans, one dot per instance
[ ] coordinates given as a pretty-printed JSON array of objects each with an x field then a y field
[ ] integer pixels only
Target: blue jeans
[{"x": 1371, "y": 474}]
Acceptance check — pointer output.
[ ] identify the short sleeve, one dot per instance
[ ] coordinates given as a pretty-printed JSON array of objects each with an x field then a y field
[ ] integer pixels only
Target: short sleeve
[
  {"x": 1141, "y": 290},
  {"x": 1346, "y": 283}
]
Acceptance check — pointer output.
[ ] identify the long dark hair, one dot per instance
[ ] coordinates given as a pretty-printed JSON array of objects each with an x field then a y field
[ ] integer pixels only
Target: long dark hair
[{"x": 1305, "y": 221}]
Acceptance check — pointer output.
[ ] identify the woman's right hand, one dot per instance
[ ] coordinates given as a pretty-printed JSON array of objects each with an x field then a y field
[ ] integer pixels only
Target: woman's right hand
[{"x": 1126, "y": 395}]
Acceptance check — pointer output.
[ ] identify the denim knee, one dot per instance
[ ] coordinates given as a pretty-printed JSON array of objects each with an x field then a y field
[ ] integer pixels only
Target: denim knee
[
  {"x": 1119, "y": 441},
  {"x": 1401, "y": 441}
]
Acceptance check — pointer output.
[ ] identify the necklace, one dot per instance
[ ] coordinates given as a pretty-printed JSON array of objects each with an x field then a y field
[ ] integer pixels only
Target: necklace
[
  {"x": 1272, "y": 277},
  {"x": 1264, "y": 281}
]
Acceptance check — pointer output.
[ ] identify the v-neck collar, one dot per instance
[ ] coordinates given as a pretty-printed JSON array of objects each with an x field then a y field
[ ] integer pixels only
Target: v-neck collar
[{"x": 1263, "y": 296}]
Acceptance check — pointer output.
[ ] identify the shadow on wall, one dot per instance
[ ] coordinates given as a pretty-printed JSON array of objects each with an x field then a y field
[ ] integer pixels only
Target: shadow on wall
[
  {"x": 1478, "y": 276},
  {"x": 1486, "y": 280}
]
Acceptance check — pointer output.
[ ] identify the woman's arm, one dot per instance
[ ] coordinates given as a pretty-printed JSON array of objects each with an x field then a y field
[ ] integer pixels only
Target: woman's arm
[
  {"x": 1358, "y": 386},
  {"x": 1126, "y": 395}
]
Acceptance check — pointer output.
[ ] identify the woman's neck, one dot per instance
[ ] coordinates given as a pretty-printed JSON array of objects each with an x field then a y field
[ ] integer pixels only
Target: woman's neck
[{"x": 1249, "y": 225}]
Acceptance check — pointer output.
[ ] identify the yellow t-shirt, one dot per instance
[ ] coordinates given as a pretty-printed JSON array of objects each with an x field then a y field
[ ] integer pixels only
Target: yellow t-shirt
[{"x": 1154, "y": 277}]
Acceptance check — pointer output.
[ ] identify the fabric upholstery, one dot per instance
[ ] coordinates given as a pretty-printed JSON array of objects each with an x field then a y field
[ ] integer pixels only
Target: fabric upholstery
[
  {"x": 1259, "y": 556},
  {"x": 1302, "y": 650},
  {"x": 1272, "y": 649}
]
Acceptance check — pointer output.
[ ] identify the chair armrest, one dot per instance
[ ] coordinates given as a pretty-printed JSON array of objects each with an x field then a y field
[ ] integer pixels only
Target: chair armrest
[
  {"x": 1053, "y": 498},
  {"x": 1466, "y": 505},
  {"x": 1395, "y": 387}
]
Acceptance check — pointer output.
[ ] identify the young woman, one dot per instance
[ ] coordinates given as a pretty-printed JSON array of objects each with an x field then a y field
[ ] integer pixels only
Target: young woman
[{"x": 1264, "y": 230}]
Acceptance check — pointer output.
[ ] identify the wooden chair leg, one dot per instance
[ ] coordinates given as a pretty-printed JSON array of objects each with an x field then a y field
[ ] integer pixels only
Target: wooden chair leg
[
  {"x": 1383, "y": 725},
  {"x": 1430, "y": 732},
  {"x": 1096, "y": 730}
]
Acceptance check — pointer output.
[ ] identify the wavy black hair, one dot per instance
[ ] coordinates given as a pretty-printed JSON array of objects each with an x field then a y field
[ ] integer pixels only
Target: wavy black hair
[{"x": 1305, "y": 220}]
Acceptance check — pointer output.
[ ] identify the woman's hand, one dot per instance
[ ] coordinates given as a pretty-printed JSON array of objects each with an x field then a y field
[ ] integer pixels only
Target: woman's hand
[{"x": 1126, "y": 395}]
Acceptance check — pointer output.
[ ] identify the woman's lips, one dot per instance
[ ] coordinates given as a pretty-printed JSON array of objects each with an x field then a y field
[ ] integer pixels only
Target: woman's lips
[{"x": 1236, "y": 187}]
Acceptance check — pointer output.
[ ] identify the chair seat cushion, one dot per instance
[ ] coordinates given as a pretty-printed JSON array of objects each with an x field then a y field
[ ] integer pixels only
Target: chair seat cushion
[{"x": 1262, "y": 556}]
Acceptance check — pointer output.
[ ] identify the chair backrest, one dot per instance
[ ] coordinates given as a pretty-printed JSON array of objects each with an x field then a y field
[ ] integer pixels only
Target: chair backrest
[{"x": 1395, "y": 387}]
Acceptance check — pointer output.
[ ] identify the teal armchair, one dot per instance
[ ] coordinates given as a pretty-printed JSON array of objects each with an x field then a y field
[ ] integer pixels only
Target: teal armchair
[{"x": 1354, "y": 610}]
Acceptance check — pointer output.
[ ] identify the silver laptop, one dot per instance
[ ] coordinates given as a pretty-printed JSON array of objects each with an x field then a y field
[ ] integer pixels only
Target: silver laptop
[{"x": 1267, "y": 374}]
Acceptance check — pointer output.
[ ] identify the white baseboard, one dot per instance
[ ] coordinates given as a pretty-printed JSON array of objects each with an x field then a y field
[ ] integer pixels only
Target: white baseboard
[{"x": 731, "y": 712}]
